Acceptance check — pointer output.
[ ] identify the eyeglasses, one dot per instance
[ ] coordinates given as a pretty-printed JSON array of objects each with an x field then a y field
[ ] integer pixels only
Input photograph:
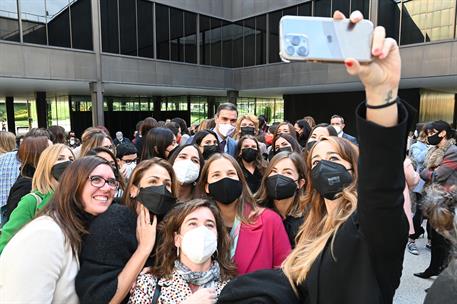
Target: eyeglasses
[
  {"x": 129, "y": 161},
  {"x": 99, "y": 182}
]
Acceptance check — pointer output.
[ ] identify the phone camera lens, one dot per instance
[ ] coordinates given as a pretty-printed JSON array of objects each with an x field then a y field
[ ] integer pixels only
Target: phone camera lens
[
  {"x": 302, "y": 51},
  {"x": 295, "y": 40},
  {"x": 290, "y": 50}
]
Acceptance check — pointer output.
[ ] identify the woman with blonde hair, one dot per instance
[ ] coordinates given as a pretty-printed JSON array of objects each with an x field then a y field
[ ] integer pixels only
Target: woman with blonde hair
[
  {"x": 93, "y": 138},
  {"x": 7, "y": 142},
  {"x": 350, "y": 248},
  {"x": 53, "y": 161}
]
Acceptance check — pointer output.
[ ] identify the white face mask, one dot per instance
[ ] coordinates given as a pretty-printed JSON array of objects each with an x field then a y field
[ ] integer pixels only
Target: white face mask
[
  {"x": 72, "y": 141},
  {"x": 337, "y": 129},
  {"x": 199, "y": 244},
  {"x": 186, "y": 171},
  {"x": 129, "y": 167},
  {"x": 226, "y": 129}
]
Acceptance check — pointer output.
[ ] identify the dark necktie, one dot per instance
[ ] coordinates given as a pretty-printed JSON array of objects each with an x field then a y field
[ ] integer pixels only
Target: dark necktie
[{"x": 222, "y": 146}]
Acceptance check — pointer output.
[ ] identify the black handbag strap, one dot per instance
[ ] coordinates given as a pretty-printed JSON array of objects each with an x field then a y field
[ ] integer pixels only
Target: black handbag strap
[{"x": 155, "y": 297}]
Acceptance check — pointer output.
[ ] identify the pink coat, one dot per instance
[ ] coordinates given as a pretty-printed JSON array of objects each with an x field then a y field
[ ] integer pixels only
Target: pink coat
[{"x": 262, "y": 245}]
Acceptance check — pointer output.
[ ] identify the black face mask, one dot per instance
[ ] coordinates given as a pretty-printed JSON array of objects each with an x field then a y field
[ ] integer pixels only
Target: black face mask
[
  {"x": 434, "y": 139},
  {"x": 210, "y": 150},
  {"x": 59, "y": 168},
  {"x": 284, "y": 149},
  {"x": 247, "y": 131},
  {"x": 330, "y": 178},
  {"x": 310, "y": 144},
  {"x": 157, "y": 199},
  {"x": 249, "y": 154},
  {"x": 280, "y": 187},
  {"x": 225, "y": 190}
]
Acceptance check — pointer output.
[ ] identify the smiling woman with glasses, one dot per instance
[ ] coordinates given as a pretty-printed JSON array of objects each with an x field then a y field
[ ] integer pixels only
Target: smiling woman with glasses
[{"x": 54, "y": 238}]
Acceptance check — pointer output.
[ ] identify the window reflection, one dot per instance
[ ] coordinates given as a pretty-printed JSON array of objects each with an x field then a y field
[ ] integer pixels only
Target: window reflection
[
  {"x": 110, "y": 33},
  {"x": 58, "y": 21},
  {"x": 145, "y": 29},
  {"x": 34, "y": 21},
  {"x": 162, "y": 32},
  {"x": 9, "y": 25}
]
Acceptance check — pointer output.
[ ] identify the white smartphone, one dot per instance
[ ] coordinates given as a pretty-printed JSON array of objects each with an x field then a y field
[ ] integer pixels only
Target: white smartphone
[{"x": 324, "y": 39}]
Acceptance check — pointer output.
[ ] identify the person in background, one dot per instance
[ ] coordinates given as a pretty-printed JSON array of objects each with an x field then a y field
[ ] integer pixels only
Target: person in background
[
  {"x": 40, "y": 263},
  {"x": 187, "y": 162},
  {"x": 10, "y": 170},
  {"x": 28, "y": 154},
  {"x": 192, "y": 263},
  {"x": 303, "y": 131},
  {"x": 318, "y": 132},
  {"x": 249, "y": 125},
  {"x": 120, "y": 242},
  {"x": 183, "y": 129},
  {"x": 310, "y": 120},
  {"x": 263, "y": 124},
  {"x": 284, "y": 142},
  {"x": 207, "y": 142},
  {"x": 411, "y": 180},
  {"x": 136, "y": 133},
  {"x": 270, "y": 133},
  {"x": 120, "y": 139},
  {"x": 439, "y": 169},
  {"x": 285, "y": 128},
  {"x": 226, "y": 117},
  {"x": 52, "y": 163},
  {"x": 7, "y": 142},
  {"x": 93, "y": 138},
  {"x": 72, "y": 141},
  {"x": 251, "y": 161},
  {"x": 207, "y": 124},
  {"x": 176, "y": 129},
  {"x": 148, "y": 124},
  {"x": 282, "y": 190},
  {"x": 337, "y": 122},
  {"x": 159, "y": 142},
  {"x": 258, "y": 238},
  {"x": 58, "y": 134},
  {"x": 126, "y": 157}
]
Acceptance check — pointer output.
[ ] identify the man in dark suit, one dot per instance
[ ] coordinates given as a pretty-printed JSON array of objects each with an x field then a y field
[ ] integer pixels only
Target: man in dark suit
[
  {"x": 225, "y": 119},
  {"x": 337, "y": 122}
]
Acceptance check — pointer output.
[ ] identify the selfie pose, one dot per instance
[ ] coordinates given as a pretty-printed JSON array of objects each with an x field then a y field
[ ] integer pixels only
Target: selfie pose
[{"x": 350, "y": 248}]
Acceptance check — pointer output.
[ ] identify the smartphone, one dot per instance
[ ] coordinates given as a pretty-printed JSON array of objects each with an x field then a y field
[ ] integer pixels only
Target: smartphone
[{"x": 324, "y": 39}]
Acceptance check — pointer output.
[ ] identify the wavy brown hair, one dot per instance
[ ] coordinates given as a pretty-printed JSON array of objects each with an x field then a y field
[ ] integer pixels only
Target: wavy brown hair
[
  {"x": 318, "y": 227},
  {"x": 138, "y": 174},
  {"x": 244, "y": 200},
  {"x": 93, "y": 138},
  {"x": 66, "y": 207},
  {"x": 30, "y": 151},
  {"x": 166, "y": 252},
  {"x": 296, "y": 209}
]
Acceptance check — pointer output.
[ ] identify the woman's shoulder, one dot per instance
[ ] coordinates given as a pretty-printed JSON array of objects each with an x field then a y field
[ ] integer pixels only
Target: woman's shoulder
[
  {"x": 115, "y": 215},
  {"x": 44, "y": 226}
]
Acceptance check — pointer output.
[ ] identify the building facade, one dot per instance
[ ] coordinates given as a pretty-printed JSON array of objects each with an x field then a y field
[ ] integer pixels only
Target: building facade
[{"x": 78, "y": 63}]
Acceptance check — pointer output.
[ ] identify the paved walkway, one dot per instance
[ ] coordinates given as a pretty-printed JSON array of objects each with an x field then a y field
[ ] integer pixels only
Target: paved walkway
[{"x": 412, "y": 289}]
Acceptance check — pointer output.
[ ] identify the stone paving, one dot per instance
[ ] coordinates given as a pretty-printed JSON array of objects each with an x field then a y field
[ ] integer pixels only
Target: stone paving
[{"x": 412, "y": 289}]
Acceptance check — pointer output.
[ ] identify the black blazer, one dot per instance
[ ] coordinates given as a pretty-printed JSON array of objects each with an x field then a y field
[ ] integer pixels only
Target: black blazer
[
  {"x": 365, "y": 263},
  {"x": 368, "y": 249}
]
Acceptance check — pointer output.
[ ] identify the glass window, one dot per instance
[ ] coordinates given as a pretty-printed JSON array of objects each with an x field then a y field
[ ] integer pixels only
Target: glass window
[
  {"x": 245, "y": 105},
  {"x": 81, "y": 104},
  {"x": 58, "y": 20},
  {"x": 227, "y": 44},
  {"x": 304, "y": 9},
  {"x": 249, "y": 34},
  {"x": 109, "y": 24},
  {"x": 237, "y": 44},
  {"x": 361, "y": 5},
  {"x": 216, "y": 43},
  {"x": 436, "y": 105},
  {"x": 342, "y": 6},
  {"x": 389, "y": 17},
  {"x": 162, "y": 32},
  {"x": 205, "y": 46},
  {"x": 260, "y": 39},
  {"x": 25, "y": 115},
  {"x": 81, "y": 24},
  {"x": 190, "y": 37},
  {"x": 128, "y": 104},
  {"x": 127, "y": 19},
  {"x": 322, "y": 8},
  {"x": 33, "y": 16},
  {"x": 3, "y": 116},
  {"x": 146, "y": 104},
  {"x": 59, "y": 112},
  {"x": 173, "y": 103},
  {"x": 198, "y": 109},
  {"x": 291, "y": 11},
  {"x": 9, "y": 25},
  {"x": 145, "y": 29},
  {"x": 274, "y": 36},
  {"x": 176, "y": 34},
  {"x": 427, "y": 20}
]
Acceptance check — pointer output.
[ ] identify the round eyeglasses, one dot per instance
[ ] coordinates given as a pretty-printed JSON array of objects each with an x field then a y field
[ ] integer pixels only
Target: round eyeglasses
[{"x": 99, "y": 182}]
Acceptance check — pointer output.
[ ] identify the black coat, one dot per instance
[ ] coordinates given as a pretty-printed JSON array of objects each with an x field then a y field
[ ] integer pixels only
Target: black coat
[
  {"x": 105, "y": 251},
  {"x": 365, "y": 264}
]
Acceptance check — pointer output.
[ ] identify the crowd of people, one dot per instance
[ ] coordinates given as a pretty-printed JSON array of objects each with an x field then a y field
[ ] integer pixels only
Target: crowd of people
[{"x": 233, "y": 210}]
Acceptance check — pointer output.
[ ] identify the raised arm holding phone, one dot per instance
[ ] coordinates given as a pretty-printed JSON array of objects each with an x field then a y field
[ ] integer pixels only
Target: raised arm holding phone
[{"x": 350, "y": 248}]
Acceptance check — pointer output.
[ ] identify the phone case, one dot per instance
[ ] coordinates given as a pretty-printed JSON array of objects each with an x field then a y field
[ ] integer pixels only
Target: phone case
[{"x": 324, "y": 39}]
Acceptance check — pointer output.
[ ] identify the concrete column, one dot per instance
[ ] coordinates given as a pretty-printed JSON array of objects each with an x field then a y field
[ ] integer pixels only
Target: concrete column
[
  {"x": 211, "y": 106},
  {"x": 232, "y": 96},
  {"x": 455, "y": 112},
  {"x": 9, "y": 100},
  {"x": 41, "y": 109},
  {"x": 373, "y": 11},
  {"x": 96, "y": 94}
]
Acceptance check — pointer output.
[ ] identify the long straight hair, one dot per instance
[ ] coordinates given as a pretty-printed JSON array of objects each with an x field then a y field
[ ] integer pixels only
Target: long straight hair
[
  {"x": 319, "y": 227},
  {"x": 259, "y": 161}
]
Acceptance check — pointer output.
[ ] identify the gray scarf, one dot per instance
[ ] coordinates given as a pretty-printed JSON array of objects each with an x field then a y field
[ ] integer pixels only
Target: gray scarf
[{"x": 204, "y": 279}]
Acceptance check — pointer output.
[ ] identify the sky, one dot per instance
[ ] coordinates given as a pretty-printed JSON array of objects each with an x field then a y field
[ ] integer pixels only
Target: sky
[{"x": 32, "y": 7}]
